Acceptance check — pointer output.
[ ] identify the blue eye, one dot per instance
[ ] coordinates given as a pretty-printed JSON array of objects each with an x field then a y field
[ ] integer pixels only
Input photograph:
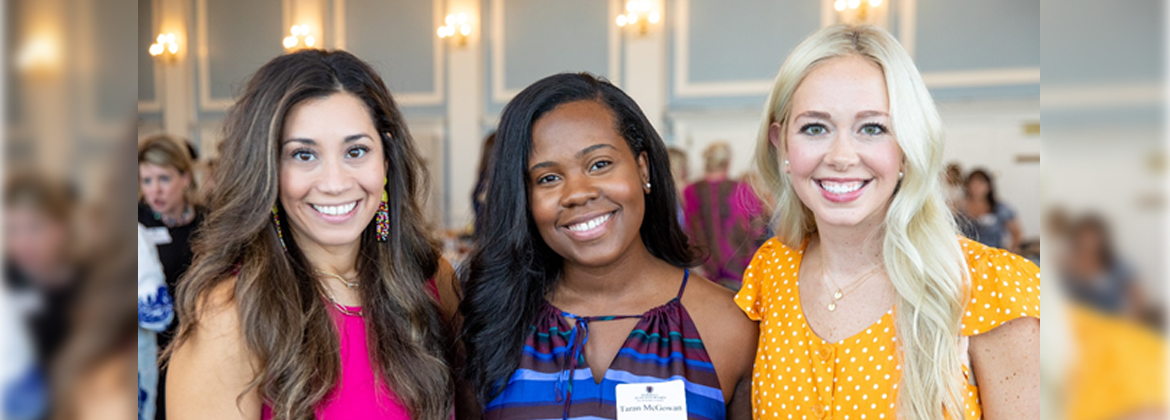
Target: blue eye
[
  {"x": 814, "y": 129},
  {"x": 873, "y": 129}
]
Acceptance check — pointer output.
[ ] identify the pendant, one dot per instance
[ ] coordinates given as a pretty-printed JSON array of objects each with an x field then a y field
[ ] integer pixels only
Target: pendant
[
  {"x": 838, "y": 295},
  {"x": 832, "y": 306}
]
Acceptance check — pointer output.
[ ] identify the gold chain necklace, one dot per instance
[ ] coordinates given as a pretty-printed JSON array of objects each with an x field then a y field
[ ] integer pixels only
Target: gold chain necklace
[
  {"x": 840, "y": 293},
  {"x": 328, "y": 295},
  {"x": 349, "y": 284}
]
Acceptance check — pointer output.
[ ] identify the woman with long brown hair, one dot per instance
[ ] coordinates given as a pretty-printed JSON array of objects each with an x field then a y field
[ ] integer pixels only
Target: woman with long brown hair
[{"x": 316, "y": 291}]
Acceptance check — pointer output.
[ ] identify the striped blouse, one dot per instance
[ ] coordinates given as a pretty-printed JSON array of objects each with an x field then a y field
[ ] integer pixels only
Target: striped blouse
[{"x": 554, "y": 380}]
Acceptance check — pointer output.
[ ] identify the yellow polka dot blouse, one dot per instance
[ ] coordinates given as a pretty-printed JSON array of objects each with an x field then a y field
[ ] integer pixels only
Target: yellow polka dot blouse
[{"x": 797, "y": 375}]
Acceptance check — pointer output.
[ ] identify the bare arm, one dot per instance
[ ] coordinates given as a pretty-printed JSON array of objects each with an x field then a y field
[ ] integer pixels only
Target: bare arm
[
  {"x": 1006, "y": 362},
  {"x": 449, "y": 294},
  {"x": 1013, "y": 227},
  {"x": 209, "y": 372}
]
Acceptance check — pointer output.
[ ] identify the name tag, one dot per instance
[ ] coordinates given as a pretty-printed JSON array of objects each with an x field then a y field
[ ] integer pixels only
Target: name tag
[
  {"x": 652, "y": 401},
  {"x": 158, "y": 235}
]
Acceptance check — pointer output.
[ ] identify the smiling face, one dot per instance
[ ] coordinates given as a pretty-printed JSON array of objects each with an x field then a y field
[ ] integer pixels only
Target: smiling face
[
  {"x": 163, "y": 188},
  {"x": 843, "y": 157},
  {"x": 586, "y": 187},
  {"x": 332, "y": 170}
]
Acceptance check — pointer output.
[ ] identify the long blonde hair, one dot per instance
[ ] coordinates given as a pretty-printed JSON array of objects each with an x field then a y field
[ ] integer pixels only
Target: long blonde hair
[{"x": 919, "y": 246}]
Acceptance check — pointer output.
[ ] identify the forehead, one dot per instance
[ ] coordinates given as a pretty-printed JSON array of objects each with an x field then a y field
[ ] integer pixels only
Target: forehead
[
  {"x": 146, "y": 168},
  {"x": 573, "y": 126},
  {"x": 339, "y": 113},
  {"x": 842, "y": 85}
]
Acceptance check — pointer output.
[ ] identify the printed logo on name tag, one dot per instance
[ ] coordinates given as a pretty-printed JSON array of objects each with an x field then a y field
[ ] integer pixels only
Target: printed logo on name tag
[{"x": 652, "y": 401}]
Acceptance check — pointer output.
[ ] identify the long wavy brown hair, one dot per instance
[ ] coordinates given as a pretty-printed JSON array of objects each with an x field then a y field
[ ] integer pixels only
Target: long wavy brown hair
[{"x": 285, "y": 323}]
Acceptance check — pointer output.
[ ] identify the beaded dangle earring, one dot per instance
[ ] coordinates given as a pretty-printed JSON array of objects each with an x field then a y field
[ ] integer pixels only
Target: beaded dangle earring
[
  {"x": 279, "y": 231},
  {"x": 382, "y": 219}
]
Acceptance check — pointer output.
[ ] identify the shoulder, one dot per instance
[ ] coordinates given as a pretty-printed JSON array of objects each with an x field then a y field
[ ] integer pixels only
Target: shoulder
[
  {"x": 1003, "y": 286},
  {"x": 446, "y": 289},
  {"x": 727, "y": 333},
  {"x": 146, "y": 217},
  {"x": 773, "y": 263}
]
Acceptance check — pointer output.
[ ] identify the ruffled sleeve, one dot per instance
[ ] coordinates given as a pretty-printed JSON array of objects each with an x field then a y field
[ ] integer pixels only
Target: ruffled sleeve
[
  {"x": 753, "y": 294},
  {"x": 1004, "y": 286},
  {"x": 155, "y": 307}
]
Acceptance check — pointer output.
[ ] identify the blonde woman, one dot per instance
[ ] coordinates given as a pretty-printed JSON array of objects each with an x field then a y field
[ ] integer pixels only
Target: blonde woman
[{"x": 871, "y": 305}]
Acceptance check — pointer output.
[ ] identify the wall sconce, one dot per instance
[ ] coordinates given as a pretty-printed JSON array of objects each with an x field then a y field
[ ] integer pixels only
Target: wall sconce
[
  {"x": 856, "y": 11},
  {"x": 638, "y": 13},
  {"x": 300, "y": 38},
  {"x": 453, "y": 21},
  {"x": 165, "y": 47}
]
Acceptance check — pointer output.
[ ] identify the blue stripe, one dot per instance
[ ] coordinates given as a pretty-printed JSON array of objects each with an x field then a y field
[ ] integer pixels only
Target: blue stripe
[
  {"x": 532, "y": 375},
  {"x": 663, "y": 361},
  {"x": 529, "y": 350}
]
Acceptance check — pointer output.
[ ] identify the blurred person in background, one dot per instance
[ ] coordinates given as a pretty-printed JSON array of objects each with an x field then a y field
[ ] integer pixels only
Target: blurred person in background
[
  {"x": 479, "y": 194},
  {"x": 985, "y": 218},
  {"x": 167, "y": 206},
  {"x": 41, "y": 270},
  {"x": 155, "y": 312},
  {"x": 23, "y": 392},
  {"x": 317, "y": 291},
  {"x": 1095, "y": 276},
  {"x": 953, "y": 183},
  {"x": 678, "y": 171},
  {"x": 721, "y": 216},
  {"x": 168, "y": 211}
]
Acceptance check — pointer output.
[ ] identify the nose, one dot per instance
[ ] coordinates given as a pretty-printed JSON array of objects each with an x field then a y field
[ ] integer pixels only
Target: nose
[
  {"x": 841, "y": 154},
  {"x": 579, "y": 190},
  {"x": 335, "y": 178}
]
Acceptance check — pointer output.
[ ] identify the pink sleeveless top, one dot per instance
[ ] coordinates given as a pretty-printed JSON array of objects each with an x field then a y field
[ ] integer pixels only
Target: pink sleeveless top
[{"x": 355, "y": 397}]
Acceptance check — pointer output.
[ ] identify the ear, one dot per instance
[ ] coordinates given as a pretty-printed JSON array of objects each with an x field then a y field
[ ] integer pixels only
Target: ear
[
  {"x": 644, "y": 171},
  {"x": 774, "y": 132}
]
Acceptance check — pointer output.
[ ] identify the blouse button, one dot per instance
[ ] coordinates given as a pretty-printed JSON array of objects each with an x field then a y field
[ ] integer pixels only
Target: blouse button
[
  {"x": 819, "y": 411},
  {"x": 825, "y": 353}
]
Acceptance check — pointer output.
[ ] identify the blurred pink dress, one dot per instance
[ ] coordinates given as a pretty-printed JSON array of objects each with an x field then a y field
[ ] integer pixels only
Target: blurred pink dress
[{"x": 725, "y": 219}]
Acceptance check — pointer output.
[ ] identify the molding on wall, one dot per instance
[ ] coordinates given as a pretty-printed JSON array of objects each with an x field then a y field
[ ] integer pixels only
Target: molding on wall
[
  {"x": 206, "y": 102},
  {"x": 1104, "y": 95},
  {"x": 437, "y": 94},
  {"x": 683, "y": 87},
  {"x": 908, "y": 25},
  {"x": 982, "y": 78},
  {"x": 91, "y": 124},
  {"x": 154, "y": 105},
  {"x": 499, "y": 91}
]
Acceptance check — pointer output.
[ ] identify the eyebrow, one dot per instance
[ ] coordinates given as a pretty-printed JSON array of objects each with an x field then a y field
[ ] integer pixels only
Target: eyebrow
[
  {"x": 311, "y": 142},
  {"x": 579, "y": 155},
  {"x": 825, "y": 115}
]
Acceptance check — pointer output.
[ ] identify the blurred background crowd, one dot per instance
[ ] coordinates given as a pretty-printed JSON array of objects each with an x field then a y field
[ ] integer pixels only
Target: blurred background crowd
[{"x": 1085, "y": 196}]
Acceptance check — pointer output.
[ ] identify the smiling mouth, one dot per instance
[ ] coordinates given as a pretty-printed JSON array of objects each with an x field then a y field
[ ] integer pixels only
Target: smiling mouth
[
  {"x": 337, "y": 210},
  {"x": 590, "y": 224},
  {"x": 835, "y": 187}
]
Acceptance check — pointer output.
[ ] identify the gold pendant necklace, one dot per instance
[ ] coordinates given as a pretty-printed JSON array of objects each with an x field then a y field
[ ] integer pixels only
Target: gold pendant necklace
[
  {"x": 349, "y": 284},
  {"x": 840, "y": 293},
  {"x": 328, "y": 295}
]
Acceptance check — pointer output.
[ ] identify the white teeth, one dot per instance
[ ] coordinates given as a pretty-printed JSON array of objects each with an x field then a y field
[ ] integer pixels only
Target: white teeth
[
  {"x": 589, "y": 224},
  {"x": 335, "y": 210},
  {"x": 841, "y": 187}
]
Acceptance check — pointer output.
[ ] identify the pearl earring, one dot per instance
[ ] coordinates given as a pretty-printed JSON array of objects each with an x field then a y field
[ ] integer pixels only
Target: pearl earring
[
  {"x": 647, "y": 185},
  {"x": 785, "y": 162},
  {"x": 900, "y": 174}
]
